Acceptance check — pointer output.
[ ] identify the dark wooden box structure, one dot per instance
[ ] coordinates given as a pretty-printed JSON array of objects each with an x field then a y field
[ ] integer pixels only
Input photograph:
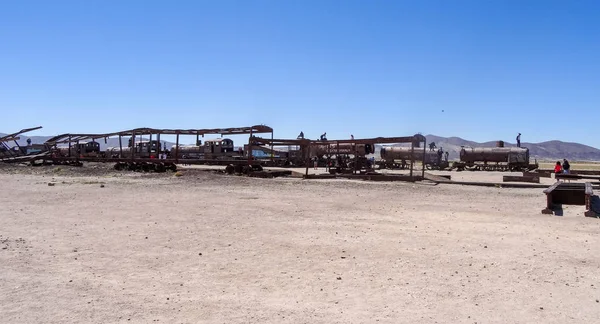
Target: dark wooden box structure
[{"x": 562, "y": 193}]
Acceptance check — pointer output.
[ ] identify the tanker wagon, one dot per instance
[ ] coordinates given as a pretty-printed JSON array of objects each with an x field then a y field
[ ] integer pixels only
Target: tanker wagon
[
  {"x": 436, "y": 160},
  {"x": 495, "y": 159}
]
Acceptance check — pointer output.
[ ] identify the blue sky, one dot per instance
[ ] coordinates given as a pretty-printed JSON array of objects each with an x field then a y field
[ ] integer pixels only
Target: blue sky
[{"x": 367, "y": 68}]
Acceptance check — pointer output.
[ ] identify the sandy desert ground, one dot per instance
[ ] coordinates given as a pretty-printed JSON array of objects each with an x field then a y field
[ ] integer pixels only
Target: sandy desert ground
[{"x": 107, "y": 247}]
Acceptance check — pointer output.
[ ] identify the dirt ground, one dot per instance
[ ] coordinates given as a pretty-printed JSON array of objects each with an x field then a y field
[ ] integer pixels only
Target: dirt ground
[{"x": 102, "y": 246}]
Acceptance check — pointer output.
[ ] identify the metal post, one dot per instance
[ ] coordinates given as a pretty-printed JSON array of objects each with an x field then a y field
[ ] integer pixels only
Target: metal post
[
  {"x": 70, "y": 146},
  {"x": 272, "y": 147},
  {"x": 412, "y": 157},
  {"x": 328, "y": 167},
  {"x": 132, "y": 148},
  {"x": 159, "y": 145},
  {"x": 120, "y": 147},
  {"x": 424, "y": 152},
  {"x": 250, "y": 148},
  {"x": 307, "y": 150},
  {"x": 177, "y": 149},
  {"x": 78, "y": 150},
  {"x": 150, "y": 145},
  {"x": 337, "y": 156}
]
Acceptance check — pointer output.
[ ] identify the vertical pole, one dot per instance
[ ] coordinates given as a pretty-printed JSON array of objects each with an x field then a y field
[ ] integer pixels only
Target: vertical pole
[
  {"x": 78, "y": 150},
  {"x": 197, "y": 138},
  {"x": 69, "y": 145},
  {"x": 337, "y": 156},
  {"x": 120, "y": 147},
  {"x": 158, "y": 150},
  {"x": 272, "y": 147},
  {"x": 250, "y": 148},
  {"x": 328, "y": 167},
  {"x": 306, "y": 148},
  {"x": 132, "y": 148},
  {"x": 150, "y": 145},
  {"x": 424, "y": 152},
  {"x": 177, "y": 148},
  {"x": 412, "y": 157}
]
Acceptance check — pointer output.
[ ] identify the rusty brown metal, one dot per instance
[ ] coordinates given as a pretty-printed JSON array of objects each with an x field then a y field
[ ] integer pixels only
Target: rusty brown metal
[
  {"x": 257, "y": 129},
  {"x": 15, "y": 136},
  {"x": 353, "y": 147}
]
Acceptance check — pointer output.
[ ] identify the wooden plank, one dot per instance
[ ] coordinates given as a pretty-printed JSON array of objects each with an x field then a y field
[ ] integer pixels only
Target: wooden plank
[
  {"x": 538, "y": 174},
  {"x": 551, "y": 188},
  {"x": 530, "y": 179}
]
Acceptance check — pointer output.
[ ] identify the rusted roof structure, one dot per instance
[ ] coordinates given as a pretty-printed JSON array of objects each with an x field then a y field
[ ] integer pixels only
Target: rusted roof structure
[
  {"x": 15, "y": 136},
  {"x": 256, "y": 129},
  {"x": 377, "y": 140}
]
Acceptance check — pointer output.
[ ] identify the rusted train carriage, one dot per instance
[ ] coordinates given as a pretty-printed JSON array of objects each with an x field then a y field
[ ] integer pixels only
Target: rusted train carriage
[
  {"x": 82, "y": 149},
  {"x": 495, "y": 159},
  {"x": 212, "y": 149},
  {"x": 397, "y": 157},
  {"x": 142, "y": 149}
]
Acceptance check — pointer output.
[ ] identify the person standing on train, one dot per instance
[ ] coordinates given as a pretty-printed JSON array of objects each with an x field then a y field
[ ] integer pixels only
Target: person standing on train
[
  {"x": 519, "y": 140},
  {"x": 566, "y": 166}
]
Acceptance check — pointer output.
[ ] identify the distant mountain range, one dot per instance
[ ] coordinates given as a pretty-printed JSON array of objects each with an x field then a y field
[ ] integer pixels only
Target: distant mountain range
[{"x": 550, "y": 150}]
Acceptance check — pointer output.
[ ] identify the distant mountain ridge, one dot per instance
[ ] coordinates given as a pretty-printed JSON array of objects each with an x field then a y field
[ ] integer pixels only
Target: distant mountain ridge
[{"x": 550, "y": 150}]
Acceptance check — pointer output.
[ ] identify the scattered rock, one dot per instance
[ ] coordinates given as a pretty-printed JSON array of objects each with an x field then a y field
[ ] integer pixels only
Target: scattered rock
[
  {"x": 50, "y": 184},
  {"x": 101, "y": 186},
  {"x": 542, "y": 308},
  {"x": 485, "y": 247},
  {"x": 339, "y": 278},
  {"x": 199, "y": 253}
]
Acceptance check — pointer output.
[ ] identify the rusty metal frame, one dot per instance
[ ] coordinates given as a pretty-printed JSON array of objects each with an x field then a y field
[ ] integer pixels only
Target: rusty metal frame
[
  {"x": 14, "y": 137},
  {"x": 307, "y": 144},
  {"x": 133, "y": 133},
  {"x": 256, "y": 129}
]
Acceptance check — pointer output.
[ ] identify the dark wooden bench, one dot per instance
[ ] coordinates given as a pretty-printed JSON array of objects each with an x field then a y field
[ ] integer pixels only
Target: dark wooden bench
[{"x": 562, "y": 193}]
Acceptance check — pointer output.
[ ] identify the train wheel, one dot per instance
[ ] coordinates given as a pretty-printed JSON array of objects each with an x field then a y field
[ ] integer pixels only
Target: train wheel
[
  {"x": 160, "y": 168},
  {"x": 238, "y": 169}
]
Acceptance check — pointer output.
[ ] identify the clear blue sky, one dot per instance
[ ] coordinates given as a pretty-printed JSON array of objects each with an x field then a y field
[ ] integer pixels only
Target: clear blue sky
[{"x": 368, "y": 68}]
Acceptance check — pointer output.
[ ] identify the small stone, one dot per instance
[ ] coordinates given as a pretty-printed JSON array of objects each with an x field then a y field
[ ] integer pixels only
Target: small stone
[
  {"x": 485, "y": 247},
  {"x": 339, "y": 278},
  {"x": 199, "y": 253},
  {"x": 542, "y": 308},
  {"x": 71, "y": 280},
  {"x": 50, "y": 184},
  {"x": 146, "y": 237},
  {"x": 101, "y": 186}
]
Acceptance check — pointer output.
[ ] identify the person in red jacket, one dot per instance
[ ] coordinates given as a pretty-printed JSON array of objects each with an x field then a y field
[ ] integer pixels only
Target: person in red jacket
[{"x": 557, "y": 167}]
